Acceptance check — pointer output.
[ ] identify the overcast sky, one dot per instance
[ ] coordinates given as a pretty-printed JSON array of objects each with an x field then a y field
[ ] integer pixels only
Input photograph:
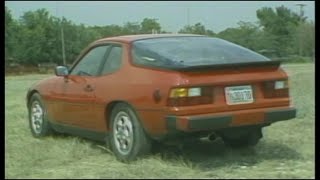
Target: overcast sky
[{"x": 172, "y": 15}]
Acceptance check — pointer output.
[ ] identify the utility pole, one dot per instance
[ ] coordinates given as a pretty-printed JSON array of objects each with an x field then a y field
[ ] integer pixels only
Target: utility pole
[
  {"x": 188, "y": 16},
  {"x": 301, "y": 15},
  {"x": 62, "y": 37},
  {"x": 301, "y": 8},
  {"x": 62, "y": 44}
]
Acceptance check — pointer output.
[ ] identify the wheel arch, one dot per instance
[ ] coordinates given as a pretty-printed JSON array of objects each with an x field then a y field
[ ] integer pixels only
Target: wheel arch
[
  {"x": 30, "y": 94},
  {"x": 112, "y": 104}
]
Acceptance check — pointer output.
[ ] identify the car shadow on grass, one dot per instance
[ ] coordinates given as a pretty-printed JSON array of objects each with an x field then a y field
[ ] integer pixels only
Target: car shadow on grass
[
  {"x": 206, "y": 154},
  {"x": 212, "y": 154}
]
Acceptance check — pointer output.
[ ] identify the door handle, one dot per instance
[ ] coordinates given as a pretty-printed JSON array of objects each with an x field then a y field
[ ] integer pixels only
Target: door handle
[{"x": 88, "y": 88}]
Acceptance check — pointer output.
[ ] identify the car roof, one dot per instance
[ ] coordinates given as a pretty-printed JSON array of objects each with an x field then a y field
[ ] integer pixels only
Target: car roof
[{"x": 131, "y": 38}]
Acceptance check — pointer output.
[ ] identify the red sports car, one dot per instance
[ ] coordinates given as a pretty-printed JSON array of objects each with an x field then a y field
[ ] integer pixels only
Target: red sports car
[{"x": 133, "y": 90}]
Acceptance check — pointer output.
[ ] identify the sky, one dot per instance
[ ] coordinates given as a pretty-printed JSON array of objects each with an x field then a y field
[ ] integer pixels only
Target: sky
[{"x": 172, "y": 15}]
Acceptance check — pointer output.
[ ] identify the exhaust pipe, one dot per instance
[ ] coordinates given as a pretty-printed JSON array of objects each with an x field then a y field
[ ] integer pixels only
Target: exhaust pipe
[{"x": 212, "y": 137}]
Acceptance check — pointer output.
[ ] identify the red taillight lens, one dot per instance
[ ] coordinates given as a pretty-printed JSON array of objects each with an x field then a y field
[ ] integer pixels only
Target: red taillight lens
[
  {"x": 206, "y": 97},
  {"x": 276, "y": 89}
]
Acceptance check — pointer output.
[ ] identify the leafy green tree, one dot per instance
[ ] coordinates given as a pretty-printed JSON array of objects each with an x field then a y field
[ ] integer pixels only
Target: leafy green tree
[
  {"x": 12, "y": 35},
  {"x": 112, "y": 30},
  {"x": 197, "y": 28},
  {"x": 210, "y": 33},
  {"x": 149, "y": 25},
  {"x": 39, "y": 37},
  {"x": 8, "y": 34},
  {"x": 36, "y": 37},
  {"x": 281, "y": 23},
  {"x": 304, "y": 41},
  {"x": 131, "y": 28},
  {"x": 246, "y": 35}
]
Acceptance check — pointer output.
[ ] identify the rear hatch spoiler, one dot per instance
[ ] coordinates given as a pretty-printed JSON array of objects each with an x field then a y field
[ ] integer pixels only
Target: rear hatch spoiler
[{"x": 272, "y": 63}]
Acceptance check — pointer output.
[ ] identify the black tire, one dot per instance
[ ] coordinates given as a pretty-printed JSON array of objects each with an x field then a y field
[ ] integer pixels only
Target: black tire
[
  {"x": 41, "y": 129},
  {"x": 243, "y": 139},
  {"x": 140, "y": 142}
]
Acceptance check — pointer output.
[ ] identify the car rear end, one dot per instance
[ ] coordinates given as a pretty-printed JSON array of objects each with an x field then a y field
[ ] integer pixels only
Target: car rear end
[
  {"x": 222, "y": 85},
  {"x": 244, "y": 96}
]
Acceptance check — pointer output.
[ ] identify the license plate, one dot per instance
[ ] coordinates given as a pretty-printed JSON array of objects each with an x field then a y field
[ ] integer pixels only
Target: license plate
[{"x": 238, "y": 94}]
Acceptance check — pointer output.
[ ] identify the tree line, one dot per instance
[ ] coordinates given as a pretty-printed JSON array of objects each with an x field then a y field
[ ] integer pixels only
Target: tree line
[{"x": 36, "y": 36}]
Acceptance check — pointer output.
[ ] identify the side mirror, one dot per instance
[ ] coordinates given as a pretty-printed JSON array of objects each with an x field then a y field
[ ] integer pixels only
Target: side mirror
[{"x": 61, "y": 71}]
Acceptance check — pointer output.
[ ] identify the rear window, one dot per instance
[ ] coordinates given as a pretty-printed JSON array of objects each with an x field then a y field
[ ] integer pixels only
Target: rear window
[{"x": 190, "y": 51}]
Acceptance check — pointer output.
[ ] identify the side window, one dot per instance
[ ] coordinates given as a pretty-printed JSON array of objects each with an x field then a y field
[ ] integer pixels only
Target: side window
[
  {"x": 114, "y": 60},
  {"x": 90, "y": 63}
]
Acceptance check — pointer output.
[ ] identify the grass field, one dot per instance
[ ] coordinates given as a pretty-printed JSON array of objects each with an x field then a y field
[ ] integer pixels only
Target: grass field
[{"x": 286, "y": 151}]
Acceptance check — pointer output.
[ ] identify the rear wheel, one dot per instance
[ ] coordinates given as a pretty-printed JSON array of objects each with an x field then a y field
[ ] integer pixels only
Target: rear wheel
[
  {"x": 38, "y": 120},
  {"x": 242, "y": 137},
  {"x": 128, "y": 139}
]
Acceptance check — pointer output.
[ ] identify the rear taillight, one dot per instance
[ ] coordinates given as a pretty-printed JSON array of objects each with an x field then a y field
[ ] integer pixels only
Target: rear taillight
[
  {"x": 188, "y": 96},
  {"x": 275, "y": 89}
]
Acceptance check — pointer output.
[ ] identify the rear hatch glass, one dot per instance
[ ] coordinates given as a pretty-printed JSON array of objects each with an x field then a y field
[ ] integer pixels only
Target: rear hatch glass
[{"x": 191, "y": 51}]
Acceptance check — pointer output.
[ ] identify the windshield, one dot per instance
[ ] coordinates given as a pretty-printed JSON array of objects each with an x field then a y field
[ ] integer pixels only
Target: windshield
[{"x": 191, "y": 51}]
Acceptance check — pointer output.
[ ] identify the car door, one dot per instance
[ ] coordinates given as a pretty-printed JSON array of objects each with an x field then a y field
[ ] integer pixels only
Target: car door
[
  {"x": 107, "y": 85},
  {"x": 76, "y": 92}
]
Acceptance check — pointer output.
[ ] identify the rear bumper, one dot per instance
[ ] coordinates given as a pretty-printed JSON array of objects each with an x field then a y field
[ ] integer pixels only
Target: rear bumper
[{"x": 234, "y": 119}]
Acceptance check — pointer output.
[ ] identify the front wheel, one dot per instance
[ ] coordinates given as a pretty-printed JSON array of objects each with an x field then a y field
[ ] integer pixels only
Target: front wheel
[
  {"x": 38, "y": 120},
  {"x": 128, "y": 139}
]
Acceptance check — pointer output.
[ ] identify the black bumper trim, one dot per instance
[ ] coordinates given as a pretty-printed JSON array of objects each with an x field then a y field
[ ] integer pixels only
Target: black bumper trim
[
  {"x": 209, "y": 122},
  {"x": 216, "y": 122},
  {"x": 280, "y": 115},
  {"x": 171, "y": 123}
]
